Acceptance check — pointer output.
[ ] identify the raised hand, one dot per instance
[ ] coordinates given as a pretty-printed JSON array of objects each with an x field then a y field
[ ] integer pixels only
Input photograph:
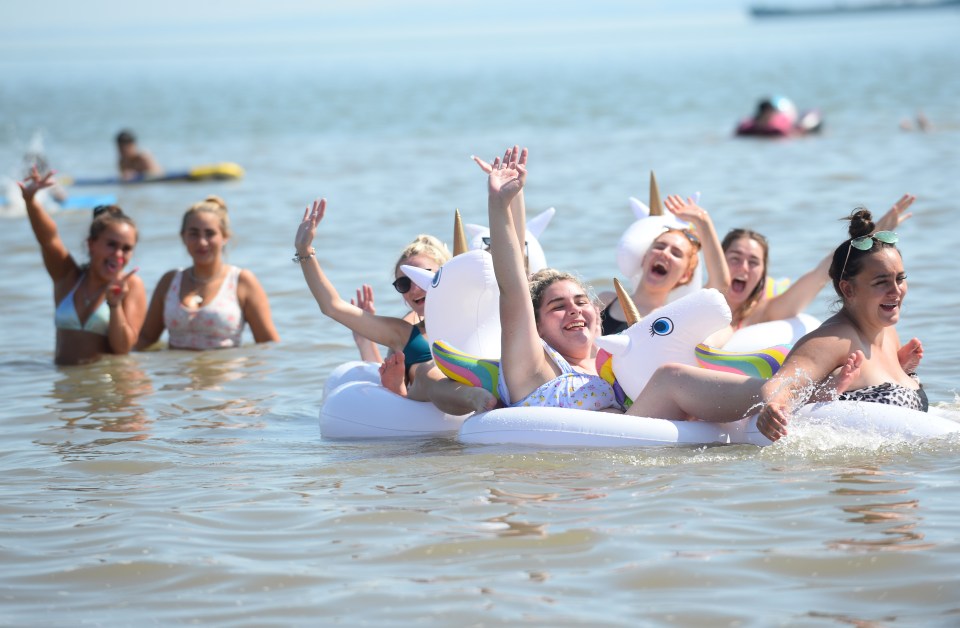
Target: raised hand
[
  {"x": 117, "y": 289},
  {"x": 507, "y": 179},
  {"x": 308, "y": 226},
  {"x": 33, "y": 183},
  {"x": 364, "y": 299},
  {"x": 515, "y": 154},
  {"x": 685, "y": 209},
  {"x": 894, "y": 216}
]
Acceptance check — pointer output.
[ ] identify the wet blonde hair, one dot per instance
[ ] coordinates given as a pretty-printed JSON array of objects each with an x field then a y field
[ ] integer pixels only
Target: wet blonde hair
[
  {"x": 214, "y": 205},
  {"x": 427, "y": 245},
  {"x": 543, "y": 279}
]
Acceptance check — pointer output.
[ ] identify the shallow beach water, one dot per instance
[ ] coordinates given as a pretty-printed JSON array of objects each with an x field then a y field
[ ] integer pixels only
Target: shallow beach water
[{"x": 172, "y": 487}]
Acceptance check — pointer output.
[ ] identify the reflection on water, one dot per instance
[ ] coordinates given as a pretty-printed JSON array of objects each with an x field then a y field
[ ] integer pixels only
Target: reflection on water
[
  {"x": 104, "y": 395},
  {"x": 898, "y": 518}
]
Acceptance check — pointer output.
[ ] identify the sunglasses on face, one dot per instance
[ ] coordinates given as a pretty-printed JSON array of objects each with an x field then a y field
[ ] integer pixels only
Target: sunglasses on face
[
  {"x": 404, "y": 283},
  {"x": 865, "y": 243},
  {"x": 689, "y": 235},
  {"x": 486, "y": 243}
]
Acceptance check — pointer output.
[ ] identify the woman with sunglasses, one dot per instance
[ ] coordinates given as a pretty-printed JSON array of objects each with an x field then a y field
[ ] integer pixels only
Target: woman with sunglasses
[
  {"x": 856, "y": 352},
  {"x": 670, "y": 262},
  {"x": 100, "y": 308},
  {"x": 207, "y": 305},
  {"x": 409, "y": 369},
  {"x": 747, "y": 255}
]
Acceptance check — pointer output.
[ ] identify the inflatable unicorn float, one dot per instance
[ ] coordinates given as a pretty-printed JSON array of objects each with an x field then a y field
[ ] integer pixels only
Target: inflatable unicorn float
[{"x": 461, "y": 314}]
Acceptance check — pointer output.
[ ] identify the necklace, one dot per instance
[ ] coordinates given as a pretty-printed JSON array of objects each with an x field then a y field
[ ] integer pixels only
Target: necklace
[
  {"x": 87, "y": 300},
  {"x": 205, "y": 280}
]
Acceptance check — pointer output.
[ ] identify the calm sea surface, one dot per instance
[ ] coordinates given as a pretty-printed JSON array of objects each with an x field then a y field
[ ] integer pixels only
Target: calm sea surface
[{"x": 173, "y": 488}]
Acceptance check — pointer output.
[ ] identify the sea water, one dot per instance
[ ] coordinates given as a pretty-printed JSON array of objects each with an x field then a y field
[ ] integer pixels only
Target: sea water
[{"x": 173, "y": 487}]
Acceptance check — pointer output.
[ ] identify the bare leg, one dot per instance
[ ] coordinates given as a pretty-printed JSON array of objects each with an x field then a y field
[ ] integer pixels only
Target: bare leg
[
  {"x": 678, "y": 391},
  {"x": 393, "y": 374},
  {"x": 430, "y": 384}
]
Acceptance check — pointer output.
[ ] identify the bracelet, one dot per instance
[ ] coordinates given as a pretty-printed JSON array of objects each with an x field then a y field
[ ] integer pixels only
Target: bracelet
[{"x": 297, "y": 258}]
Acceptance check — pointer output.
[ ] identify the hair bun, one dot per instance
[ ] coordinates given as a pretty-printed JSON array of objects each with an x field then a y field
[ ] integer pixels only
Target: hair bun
[
  {"x": 109, "y": 210},
  {"x": 216, "y": 200},
  {"x": 861, "y": 222}
]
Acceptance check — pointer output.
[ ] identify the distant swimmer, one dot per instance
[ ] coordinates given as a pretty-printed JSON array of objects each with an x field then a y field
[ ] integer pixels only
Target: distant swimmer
[
  {"x": 135, "y": 163},
  {"x": 923, "y": 123},
  {"x": 778, "y": 117}
]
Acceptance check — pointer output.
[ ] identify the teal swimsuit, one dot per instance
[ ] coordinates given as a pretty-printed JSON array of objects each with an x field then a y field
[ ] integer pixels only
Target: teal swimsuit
[
  {"x": 66, "y": 316},
  {"x": 417, "y": 349}
]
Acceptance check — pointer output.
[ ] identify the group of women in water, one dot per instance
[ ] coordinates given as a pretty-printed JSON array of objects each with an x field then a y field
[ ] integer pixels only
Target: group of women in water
[{"x": 549, "y": 320}]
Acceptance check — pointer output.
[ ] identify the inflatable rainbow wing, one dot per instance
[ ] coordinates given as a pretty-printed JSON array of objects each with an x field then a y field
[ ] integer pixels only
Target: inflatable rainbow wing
[
  {"x": 776, "y": 287},
  {"x": 467, "y": 369},
  {"x": 763, "y": 363}
]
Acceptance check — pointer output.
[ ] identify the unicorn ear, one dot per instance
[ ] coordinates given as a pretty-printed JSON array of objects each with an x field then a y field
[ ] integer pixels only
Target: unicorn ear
[
  {"x": 420, "y": 276},
  {"x": 656, "y": 207},
  {"x": 613, "y": 344},
  {"x": 459, "y": 237},
  {"x": 538, "y": 223},
  {"x": 640, "y": 209}
]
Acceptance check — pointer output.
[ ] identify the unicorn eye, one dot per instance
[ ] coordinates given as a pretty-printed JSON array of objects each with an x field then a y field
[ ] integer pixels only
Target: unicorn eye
[
  {"x": 661, "y": 327},
  {"x": 436, "y": 277}
]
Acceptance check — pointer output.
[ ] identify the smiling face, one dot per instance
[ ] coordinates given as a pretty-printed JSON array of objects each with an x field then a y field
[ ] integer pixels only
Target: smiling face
[
  {"x": 746, "y": 259},
  {"x": 874, "y": 297},
  {"x": 567, "y": 319},
  {"x": 416, "y": 297},
  {"x": 669, "y": 262},
  {"x": 111, "y": 249},
  {"x": 203, "y": 237}
]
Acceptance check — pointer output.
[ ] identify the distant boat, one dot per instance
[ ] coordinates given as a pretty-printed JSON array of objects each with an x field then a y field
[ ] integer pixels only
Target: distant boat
[{"x": 763, "y": 11}]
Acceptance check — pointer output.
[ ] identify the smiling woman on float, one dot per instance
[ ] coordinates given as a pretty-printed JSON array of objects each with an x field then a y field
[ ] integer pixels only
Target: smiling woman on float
[
  {"x": 857, "y": 350},
  {"x": 669, "y": 263},
  {"x": 207, "y": 305},
  {"x": 409, "y": 371},
  {"x": 99, "y": 307},
  {"x": 747, "y": 255}
]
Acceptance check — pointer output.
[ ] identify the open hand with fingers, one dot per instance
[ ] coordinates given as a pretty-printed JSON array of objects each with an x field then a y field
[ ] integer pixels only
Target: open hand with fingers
[{"x": 308, "y": 228}]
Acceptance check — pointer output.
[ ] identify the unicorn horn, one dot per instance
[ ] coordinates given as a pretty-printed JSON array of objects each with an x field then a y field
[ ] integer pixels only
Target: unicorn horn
[
  {"x": 459, "y": 237},
  {"x": 630, "y": 311},
  {"x": 656, "y": 207}
]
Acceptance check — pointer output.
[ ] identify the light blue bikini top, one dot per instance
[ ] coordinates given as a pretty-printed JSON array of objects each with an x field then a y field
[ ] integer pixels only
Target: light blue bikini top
[{"x": 66, "y": 316}]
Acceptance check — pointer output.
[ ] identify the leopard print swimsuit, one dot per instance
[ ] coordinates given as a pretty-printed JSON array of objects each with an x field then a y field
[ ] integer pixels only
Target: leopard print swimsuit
[{"x": 890, "y": 394}]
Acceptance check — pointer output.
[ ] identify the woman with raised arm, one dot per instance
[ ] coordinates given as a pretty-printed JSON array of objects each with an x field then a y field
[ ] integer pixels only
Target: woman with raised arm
[
  {"x": 100, "y": 308},
  {"x": 747, "y": 255},
  {"x": 207, "y": 305},
  {"x": 548, "y": 324},
  {"x": 410, "y": 370},
  {"x": 669, "y": 263},
  {"x": 857, "y": 348}
]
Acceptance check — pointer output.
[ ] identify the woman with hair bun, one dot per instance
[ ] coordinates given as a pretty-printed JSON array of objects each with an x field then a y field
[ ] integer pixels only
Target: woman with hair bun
[
  {"x": 100, "y": 308},
  {"x": 207, "y": 305},
  {"x": 855, "y": 353}
]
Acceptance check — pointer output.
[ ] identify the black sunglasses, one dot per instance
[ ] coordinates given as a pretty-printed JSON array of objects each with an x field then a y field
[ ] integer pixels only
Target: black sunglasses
[
  {"x": 403, "y": 283},
  {"x": 486, "y": 243}
]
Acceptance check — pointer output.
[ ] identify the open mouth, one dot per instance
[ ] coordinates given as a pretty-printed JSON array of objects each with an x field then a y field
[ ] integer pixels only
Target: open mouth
[
  {"x": 738, "y": 286},
  {"x": 575, "y": 325},
  {"x": 659, "y": 269},
  {"x": 890, "y": 307}
]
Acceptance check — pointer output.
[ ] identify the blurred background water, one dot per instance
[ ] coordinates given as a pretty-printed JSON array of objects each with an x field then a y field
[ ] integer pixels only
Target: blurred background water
[{"x": 173, "y": 487}]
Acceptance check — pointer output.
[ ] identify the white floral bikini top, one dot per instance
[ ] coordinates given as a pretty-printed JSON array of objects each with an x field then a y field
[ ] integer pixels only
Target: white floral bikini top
[{"x": 217, "y": 324}]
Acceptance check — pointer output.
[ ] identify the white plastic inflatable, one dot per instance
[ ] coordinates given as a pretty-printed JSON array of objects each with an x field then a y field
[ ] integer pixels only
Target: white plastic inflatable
[
  {"x": 536, "y": 258},
  {"x": 363, "y": 409},
  {"x": 462, "y": 303},
  {"x": 668, "y": 334},
  {"x": 561, "y": 427},
  {"x": 782, "y": 332}
]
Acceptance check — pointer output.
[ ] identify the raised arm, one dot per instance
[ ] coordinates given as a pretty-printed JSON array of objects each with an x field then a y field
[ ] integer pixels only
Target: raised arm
[
  {"x": 522, "y": 359},
  {"x": 56, "y": 259},
  {"x": 385, "y": 330},
  {"x": 369, "y": 351},
  {"x": 895, "y": 216},
  {"x": 718, "y": 274},
  {"x": 799, "y": 295},
  {"x": 518, "y": 207}
]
